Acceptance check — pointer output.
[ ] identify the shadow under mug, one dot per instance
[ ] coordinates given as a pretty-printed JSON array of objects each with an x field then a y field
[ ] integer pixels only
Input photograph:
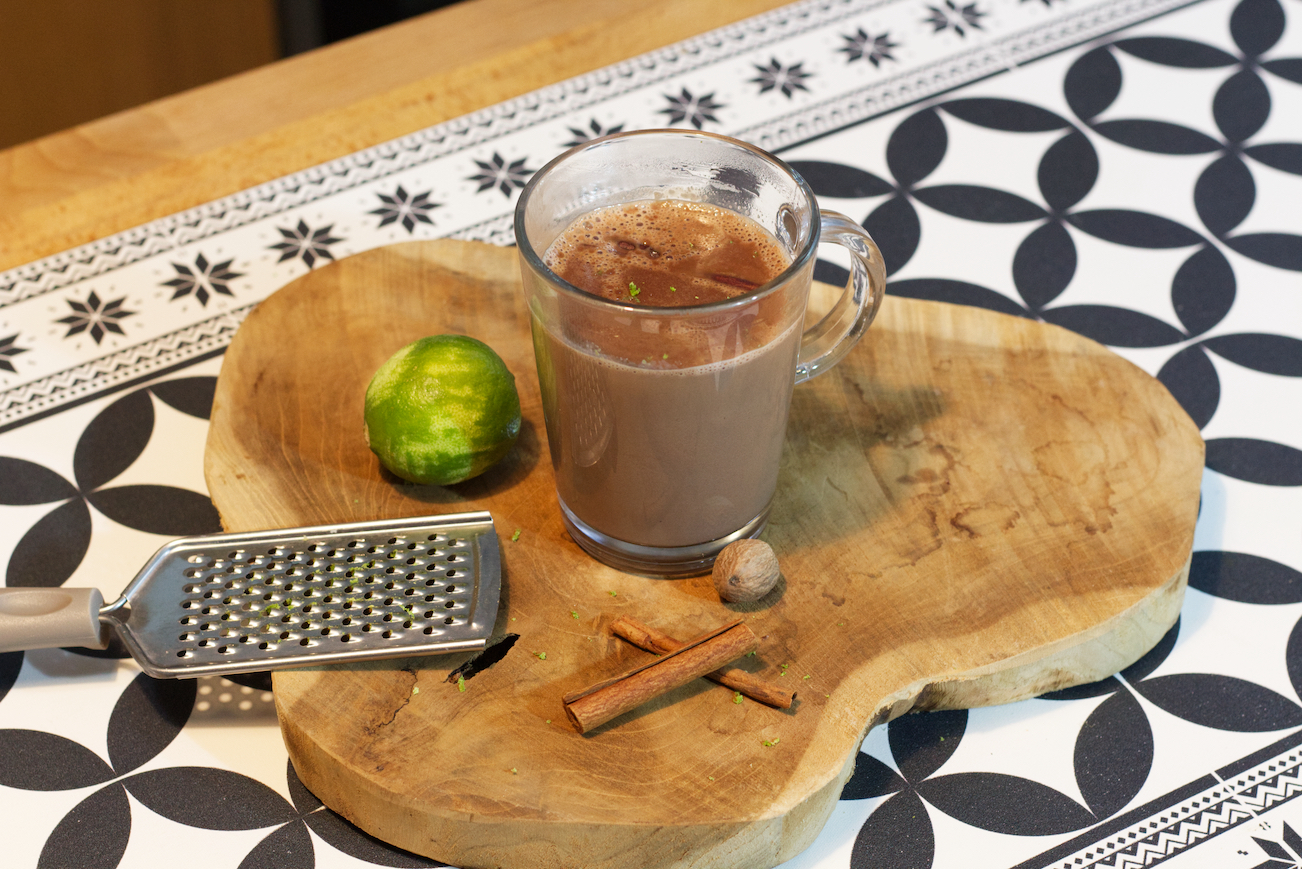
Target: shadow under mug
[{"x": 658, "y": 468}]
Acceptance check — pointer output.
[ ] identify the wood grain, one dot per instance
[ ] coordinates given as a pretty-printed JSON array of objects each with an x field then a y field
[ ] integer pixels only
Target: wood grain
[
  {"x": 76, "y": 61},
  {"x": 118, "y": 172},
  {"x": 972, "y": 509}
]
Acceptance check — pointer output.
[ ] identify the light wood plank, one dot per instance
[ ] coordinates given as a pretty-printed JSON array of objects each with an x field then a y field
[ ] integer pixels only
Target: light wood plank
[{"x": 109, "y": 175}]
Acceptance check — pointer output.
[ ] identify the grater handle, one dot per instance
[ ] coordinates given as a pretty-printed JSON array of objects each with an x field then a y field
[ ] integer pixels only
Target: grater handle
[{"x": 50, "y": 618}]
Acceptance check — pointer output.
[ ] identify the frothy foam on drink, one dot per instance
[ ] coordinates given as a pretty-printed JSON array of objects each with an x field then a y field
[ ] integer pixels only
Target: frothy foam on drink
[{"x": 666, "y": 253}]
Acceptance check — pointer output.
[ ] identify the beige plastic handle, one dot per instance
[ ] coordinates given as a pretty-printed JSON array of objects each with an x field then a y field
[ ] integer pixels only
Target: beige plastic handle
[
  {"x": 50, "y": 618},
  {"x": 828, "y": 340}
]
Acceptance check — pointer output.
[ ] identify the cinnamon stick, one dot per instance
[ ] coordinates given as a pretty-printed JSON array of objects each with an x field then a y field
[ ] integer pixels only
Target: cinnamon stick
[
  {"x": 752, "y": 686},
  {"x": 597, "y": 704}
]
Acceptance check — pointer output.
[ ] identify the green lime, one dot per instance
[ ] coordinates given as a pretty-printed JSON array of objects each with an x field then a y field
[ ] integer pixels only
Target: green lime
[{"x": 441, "y": 410}]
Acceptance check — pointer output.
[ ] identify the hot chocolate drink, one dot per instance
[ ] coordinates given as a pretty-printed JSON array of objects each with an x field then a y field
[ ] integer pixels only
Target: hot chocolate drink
[{"x": 666, "y": 432}]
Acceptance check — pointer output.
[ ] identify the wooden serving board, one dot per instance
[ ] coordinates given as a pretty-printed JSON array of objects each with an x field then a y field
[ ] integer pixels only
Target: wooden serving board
[{"x": 972, "y": 509}]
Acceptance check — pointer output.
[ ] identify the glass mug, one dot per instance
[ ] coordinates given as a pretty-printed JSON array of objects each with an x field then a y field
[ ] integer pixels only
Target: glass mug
[{"x": 660, "y": 467}]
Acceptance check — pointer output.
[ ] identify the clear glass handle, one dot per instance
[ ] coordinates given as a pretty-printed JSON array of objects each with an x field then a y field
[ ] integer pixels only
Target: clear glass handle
[{"x": 828, "y": 340}]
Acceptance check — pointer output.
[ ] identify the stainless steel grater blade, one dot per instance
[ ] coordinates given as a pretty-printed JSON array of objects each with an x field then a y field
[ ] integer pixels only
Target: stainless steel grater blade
[{"x": 233, "y": 603}]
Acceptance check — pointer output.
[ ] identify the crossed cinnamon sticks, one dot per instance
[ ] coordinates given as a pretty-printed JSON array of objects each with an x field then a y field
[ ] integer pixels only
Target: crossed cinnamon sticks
[{"x": 706, "y": 655}]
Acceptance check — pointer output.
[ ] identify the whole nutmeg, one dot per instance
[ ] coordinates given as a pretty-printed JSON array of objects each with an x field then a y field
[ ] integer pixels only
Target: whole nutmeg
[{"x": 745, "y": 570}]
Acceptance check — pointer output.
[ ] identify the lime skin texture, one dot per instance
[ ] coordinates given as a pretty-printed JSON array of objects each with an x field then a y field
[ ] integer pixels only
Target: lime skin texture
[{"x": 442, "y": 410}]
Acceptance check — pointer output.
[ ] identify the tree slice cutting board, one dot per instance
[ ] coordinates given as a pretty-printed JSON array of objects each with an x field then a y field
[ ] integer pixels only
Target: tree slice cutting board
[{"x": 972, "y": 509}]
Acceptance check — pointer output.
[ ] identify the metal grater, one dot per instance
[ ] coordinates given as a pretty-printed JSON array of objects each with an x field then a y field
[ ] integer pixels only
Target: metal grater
[{"x": 230, "y": 603}]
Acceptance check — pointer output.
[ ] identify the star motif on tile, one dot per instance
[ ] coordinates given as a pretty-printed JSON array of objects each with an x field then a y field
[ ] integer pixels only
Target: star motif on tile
[
  {"x": 202, "y": 278},
  {"x": 595, "y": 131},
  {"x": 405, "y": 209},
  {"x": 862, "y": 46},
  {"x": 8, "y": 350},
  {"x": 306, "y": 243},
  {"x": 956, "y": 18},
  {"x": 1282, "y": 857},
  {"x": 506, "y": 177},
  {"x": 787, "y": 79},
  {"x": 695, "y": 110},
  {"x": 99, "y": 317}
]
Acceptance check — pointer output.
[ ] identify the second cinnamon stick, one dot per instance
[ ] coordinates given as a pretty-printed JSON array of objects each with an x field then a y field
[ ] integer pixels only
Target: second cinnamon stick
[
  {"x": 597, "y": 704},
  {"x": 652, "y": 640}
]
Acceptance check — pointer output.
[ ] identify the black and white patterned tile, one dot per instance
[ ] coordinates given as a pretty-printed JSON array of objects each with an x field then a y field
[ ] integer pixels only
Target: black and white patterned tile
[
  {"x": 91, "y": 319},
  {"x": 1141, "y": 187}
]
